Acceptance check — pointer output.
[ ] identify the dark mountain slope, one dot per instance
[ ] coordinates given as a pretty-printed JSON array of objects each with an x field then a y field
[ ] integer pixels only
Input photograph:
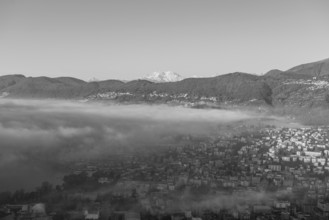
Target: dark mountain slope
[
  {"x": 273, "y": 72},
  {"x": 10, "y": 80},
  {"x": 234, "y": 86},
  {"x": 71, "y": 81},
  {"x": 277, "y": 78},
  {"x": 109, "y": 84},
  {"x": 315, "y": 69},
  {"x": 45, "y": 87}
]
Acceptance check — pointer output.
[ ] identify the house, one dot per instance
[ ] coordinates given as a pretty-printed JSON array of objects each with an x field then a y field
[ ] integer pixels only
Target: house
[
  {"x": 103, "y": 180},
  {"x": 313, "y": 153},
  {"x": 282, "y": 204},
  {"x": 322, "y": 209},
  {"x": 275, "y": 167},
  {"x": 92, "y": 214}
]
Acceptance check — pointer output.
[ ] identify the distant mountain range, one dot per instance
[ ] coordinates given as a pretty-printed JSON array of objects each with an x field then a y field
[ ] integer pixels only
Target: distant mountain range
[{"x": 303, "y": 85}]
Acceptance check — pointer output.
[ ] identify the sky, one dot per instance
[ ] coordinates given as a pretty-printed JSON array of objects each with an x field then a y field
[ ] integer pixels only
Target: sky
[{"x": 128, "y": 39}]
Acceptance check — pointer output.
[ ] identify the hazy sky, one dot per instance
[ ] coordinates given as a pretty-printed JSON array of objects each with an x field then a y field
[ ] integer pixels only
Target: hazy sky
[{"x": 129, "y": 39}]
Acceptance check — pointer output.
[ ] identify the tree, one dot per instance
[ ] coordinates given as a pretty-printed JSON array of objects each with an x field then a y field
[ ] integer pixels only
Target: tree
[
  {"x": 46, "y": 187},
  {"x": 74, "y": 180},
  {"x": 265, "y": 92}
]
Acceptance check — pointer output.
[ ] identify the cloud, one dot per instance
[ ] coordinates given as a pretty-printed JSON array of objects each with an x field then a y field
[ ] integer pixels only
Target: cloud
[
  {"x": 38, "y": 137},
  {"x": 223, "y": 200}
]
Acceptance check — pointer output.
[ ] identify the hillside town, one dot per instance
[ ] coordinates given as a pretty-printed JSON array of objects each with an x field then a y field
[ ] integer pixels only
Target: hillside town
[
  {"x": 155, "y": 97},
  {"x": 267, "y": 173},
  {"x": 314, "y": 83}
]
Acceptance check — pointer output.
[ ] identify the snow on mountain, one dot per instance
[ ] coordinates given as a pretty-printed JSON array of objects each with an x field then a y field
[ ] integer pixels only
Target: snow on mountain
[
  {"x": 93, "y": 79},
  {"x": 167, "y": 76}
]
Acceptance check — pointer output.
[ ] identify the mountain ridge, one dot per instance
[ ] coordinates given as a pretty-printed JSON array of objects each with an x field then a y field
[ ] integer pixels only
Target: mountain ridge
[
  {"x": 276, "y": 87},
  {"x": 315, "y": 69}
]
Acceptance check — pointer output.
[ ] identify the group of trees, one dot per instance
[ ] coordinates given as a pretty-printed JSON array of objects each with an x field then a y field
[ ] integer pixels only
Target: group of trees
[
  {"x": 58, "y": 200},
  {"x": 21, "y": 196},
  {"x": 60, "y": 196}
]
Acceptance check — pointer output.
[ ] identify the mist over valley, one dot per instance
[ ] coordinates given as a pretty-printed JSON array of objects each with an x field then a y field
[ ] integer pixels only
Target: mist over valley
[{"x": 38, "y": 137}]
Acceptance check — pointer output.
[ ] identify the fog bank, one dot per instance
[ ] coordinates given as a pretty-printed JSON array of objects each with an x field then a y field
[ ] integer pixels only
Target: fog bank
[{"x": 39, "y": 136}]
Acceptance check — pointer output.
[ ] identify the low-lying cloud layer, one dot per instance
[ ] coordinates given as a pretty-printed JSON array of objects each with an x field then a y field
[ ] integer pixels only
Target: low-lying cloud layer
[{"x": 37, "y": 136}]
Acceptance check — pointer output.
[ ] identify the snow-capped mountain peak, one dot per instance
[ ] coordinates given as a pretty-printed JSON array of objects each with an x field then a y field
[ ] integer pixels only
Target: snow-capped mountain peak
[
  {"x": 167, "y": 76},
  {"x": 93, "y": 79}
]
